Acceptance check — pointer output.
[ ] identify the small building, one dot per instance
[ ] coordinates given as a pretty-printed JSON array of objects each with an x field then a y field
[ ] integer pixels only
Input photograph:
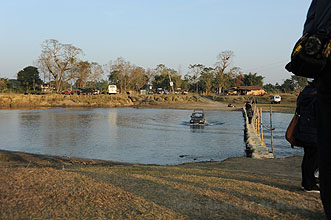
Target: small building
[
  {"x": 246, "y": 90},
  {"x": 47, "y": 88}
]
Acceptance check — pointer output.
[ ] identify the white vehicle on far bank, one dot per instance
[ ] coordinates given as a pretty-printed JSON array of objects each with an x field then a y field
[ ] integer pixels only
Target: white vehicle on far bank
[
  {"x": 112, "y": 89},
  {"x": 276, "y": 99}
]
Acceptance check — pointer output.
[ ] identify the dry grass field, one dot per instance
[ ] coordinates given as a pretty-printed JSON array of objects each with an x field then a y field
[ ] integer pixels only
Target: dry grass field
[{"x": 44, "y": 187}]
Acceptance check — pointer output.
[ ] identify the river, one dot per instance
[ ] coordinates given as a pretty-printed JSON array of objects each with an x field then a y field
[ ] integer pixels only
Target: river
[{"x": 146, "y": 136}]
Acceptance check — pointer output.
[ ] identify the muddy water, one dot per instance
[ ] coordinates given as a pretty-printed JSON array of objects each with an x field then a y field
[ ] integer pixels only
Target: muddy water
[{"x": 147, "y": 136}]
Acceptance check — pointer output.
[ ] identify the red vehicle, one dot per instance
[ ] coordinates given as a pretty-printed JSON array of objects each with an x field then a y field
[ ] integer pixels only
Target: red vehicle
[{"x": 69, "y": 92}]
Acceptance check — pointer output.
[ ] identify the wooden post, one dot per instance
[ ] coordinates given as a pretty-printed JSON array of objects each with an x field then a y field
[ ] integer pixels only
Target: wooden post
[
  {"x": 254, "y": 115},
  {"x": 255, "y": 119},
  {"x": 261, "y": 128},
  {"x": 258, "y": 122},
  {"x": 271, "y": 133}
]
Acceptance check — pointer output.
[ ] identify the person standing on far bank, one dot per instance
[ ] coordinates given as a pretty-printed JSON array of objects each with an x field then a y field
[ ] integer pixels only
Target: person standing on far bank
[{"x": 319, "y": 13}]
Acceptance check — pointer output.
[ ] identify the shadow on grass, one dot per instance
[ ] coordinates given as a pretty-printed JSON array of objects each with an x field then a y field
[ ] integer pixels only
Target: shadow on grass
[{"x": 194, "y": 204}]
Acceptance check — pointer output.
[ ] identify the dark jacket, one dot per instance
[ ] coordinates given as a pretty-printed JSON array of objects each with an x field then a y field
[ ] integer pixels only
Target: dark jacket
[
  {"x": 248, "y": 106},
  {"x": 319, "y": 13},
  {"x": 305, "y": 130}
]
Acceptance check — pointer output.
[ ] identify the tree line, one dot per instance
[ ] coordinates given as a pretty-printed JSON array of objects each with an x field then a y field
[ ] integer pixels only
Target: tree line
[{"x": 61, "y": 66}]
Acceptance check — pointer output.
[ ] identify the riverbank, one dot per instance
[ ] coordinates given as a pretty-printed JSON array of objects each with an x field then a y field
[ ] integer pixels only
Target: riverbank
[
  {"x": 19, "y": 101},
  {"x": 72, "y": 188}
]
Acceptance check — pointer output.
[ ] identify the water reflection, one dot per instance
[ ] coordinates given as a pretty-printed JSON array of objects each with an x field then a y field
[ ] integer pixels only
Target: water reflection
[
  {"x": 156, "y": 136},
  {"x": 280, "y": 122}
]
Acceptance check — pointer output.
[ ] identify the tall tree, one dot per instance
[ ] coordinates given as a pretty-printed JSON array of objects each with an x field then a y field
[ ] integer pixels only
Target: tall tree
[
  {"x": 138, "y": 78},
  {"x": 58, "y": 59},
  {"x": 82, "y": 72},
  {"x": 151, "y": 73},
  {"x": 186, "y": 82},
  {"x": 270, "y": 88},
  {"x": 251, "y": 79},
  {"x": 3, "y": 84},
  {"x": 161, "y": 79},
  {"x": 196, "y": 70},
  {"x": 207, "y": 78},
  {"x": 96, "y": 73},
  {"x": 288, "y": 86},
  {"x": 119, "y": 72},
  {"x": 232, "y": 77},
  {"x": 165, "y": 76},
  {"x": 299, "y": 82},
  {"x": 238, "y": 80},
  {"x": 29, "y": 77},
  {"x": 224, "y": 60}
]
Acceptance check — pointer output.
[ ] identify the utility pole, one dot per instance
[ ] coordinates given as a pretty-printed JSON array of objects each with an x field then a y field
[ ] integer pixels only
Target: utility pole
[{"x": 171, "y": 83}]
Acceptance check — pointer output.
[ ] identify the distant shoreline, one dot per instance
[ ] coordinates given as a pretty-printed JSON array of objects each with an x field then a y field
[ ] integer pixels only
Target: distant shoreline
[{"x": 21, "y": 101}]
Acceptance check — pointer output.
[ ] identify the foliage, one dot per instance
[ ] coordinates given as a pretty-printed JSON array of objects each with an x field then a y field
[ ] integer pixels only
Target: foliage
[
  {"x": 3, "y": 84},
  {"x": 14, "y": 85},
  {"x": 299, "y": 82},
  {"x": 206, "y": 79},
  {"x": 102, "y": 85},
  {"x": 294, "y": 84},
  {"x": 252, "y": 80},
  {"x": 271, "y": 88},
  {"x": 164, "y": 76},
  {"x": 138, "y": 79},
  {"x": 196, "y": 70},
  {"x": 29, "y": 78},
  {"x": 127, "y": 76},
  {"x": 82, "y": 72},
  {"x": 185, "y": 83}
]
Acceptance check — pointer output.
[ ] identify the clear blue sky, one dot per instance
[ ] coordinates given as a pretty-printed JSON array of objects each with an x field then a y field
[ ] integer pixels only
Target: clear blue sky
[{"x": 261, "y": 33}]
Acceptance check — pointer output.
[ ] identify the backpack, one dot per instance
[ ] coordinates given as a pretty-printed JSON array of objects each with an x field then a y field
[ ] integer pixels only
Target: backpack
[
  {"x": 310, "y": 55},
  {"x": 305, "y": 130},
  {"x": 311, "y": 52}
]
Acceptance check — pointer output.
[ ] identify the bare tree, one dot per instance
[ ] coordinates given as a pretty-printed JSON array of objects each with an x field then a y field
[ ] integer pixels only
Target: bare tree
[
  {"x": 58, "y": 59},
  {"x": 138, "y": 78},
  {"x": 151, "y": 73},
  {"x": 233, "y": 77},
  {"x": 119, "y": 72},
  {"x": 82, "y": 73},
  {"x": 96, "y": 72},
  {"x": 224, "y": 60}
]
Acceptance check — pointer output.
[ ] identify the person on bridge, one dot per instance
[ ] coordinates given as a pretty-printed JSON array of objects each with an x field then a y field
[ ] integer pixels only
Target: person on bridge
[{"x": 249, "y": 111}]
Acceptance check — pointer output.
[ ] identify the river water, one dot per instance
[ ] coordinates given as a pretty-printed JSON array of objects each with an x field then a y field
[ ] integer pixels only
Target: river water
[{"x": 146, "y": 136}]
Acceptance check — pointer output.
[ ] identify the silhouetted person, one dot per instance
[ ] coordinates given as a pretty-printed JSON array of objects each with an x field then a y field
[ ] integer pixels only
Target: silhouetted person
[
  {"x": 305, "y": 133},
  {"x": 317, "y": 15},
  {"x": 249, "y": 111}
]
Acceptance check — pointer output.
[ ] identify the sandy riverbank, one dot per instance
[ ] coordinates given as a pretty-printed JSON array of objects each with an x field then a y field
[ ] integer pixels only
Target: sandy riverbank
[
  {"x": 19, "y": 101},
  {"x": 46, "y": 187}
]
